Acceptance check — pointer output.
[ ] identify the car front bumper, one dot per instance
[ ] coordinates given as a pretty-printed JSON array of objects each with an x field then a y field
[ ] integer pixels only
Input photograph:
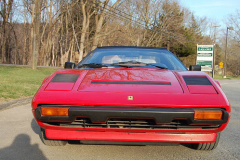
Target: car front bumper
[
  {"x": 195, "y": 132},
  {"x": 177, "y": 137}
]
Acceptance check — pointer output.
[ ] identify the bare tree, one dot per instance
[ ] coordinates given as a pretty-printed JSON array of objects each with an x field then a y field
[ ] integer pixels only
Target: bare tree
[
  {"x": 101, "y": 9},
  {"x": 6, "y": 8},
  {"x": 233, "y": 54},
  {"x": 70, "y": 29}
]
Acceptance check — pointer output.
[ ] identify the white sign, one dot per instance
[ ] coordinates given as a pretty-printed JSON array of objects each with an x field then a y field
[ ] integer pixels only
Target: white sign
[{"x": 205, "y": 57}]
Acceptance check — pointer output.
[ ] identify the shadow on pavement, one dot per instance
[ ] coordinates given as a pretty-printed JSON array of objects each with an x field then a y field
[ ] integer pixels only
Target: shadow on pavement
[
  {"x": 35, "y": 126},
  {"x": 188, "y": 145},
  {"x": 22, "y": 149}
]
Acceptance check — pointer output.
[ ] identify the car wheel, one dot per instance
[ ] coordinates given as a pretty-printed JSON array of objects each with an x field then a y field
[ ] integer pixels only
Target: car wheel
[
  {"x": 51, "y": 142},
  {"x": 206, "y": 146}
]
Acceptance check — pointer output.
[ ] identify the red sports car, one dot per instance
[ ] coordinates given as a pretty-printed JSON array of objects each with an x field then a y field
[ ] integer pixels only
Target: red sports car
[{"x": 131, "y": 94}]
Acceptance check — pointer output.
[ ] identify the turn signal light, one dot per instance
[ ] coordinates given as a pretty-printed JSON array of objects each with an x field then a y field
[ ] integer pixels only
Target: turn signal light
[
  {"x": 47, "y": 111},
  {"x": 208, "y": 115}
]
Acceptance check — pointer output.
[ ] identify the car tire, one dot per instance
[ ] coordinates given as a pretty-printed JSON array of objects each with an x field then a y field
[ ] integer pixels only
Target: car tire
[
  {"x": 51, "y": 142},
  {"x": 206, "y": 146}
]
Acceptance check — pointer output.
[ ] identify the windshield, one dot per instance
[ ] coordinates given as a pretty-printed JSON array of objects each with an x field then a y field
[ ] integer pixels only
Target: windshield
[{"x": 131, "y": 58}]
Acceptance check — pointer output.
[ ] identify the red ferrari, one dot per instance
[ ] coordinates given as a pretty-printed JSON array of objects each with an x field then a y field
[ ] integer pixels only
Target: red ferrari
[{"x": 135, "y": 95}]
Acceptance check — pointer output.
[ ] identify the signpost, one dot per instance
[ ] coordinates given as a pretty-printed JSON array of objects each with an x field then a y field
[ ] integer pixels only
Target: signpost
[{"x": 205, "y": 57}]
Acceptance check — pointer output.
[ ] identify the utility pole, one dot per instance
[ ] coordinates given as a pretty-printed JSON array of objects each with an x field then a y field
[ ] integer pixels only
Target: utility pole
[
  {"x": 225, "y": 60},
  {"x": 36, "y": 26},
  {"x": 215, "y": 33}
]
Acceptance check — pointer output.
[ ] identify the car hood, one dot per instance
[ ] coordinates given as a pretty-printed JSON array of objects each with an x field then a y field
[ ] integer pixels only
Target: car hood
[
  {"x": 131, "y": 80},
  {"x": 130, "y": 87}
]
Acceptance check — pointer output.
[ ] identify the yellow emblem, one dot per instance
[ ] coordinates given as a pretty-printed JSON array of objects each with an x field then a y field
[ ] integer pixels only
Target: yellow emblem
[{"x": 130, "y": 97}]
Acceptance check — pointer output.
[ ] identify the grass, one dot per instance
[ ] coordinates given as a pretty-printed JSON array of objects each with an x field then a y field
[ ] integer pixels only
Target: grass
[
  {"x": 19, "y": 82},
  {"x": 228, "y": 77}
]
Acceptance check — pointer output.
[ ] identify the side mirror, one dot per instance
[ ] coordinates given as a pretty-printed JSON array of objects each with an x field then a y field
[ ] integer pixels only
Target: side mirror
[
  {"x": 194, "y": 68},
  {"x": 69, "y": 65}
]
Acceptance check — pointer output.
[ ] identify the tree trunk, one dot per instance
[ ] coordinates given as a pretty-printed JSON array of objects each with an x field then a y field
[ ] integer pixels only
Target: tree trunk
[
  {"x": 6, "y": 9},
  {"x": 99, "y": 18}
]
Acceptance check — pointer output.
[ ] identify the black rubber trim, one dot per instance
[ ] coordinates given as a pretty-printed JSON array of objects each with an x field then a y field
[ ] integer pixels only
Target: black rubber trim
[
  {"x": 132, "y": 143},
  {"x": 65, "y": 78},
  {"x": 102, "y": 114},
  {"x": 119, "y": 82},
  {"x": 196, "y": 80}
]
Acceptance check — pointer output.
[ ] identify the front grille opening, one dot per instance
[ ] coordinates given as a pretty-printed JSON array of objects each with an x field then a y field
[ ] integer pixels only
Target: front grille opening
[
  {"x": 122, "y": 123},
  {"x": 131, "y": 123},
  {"x": 179, "y": 122},
  {"x": 115, "y": 123}
]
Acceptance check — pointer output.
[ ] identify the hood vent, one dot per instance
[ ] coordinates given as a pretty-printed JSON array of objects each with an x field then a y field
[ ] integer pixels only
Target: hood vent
[
  {"x": 130, "y": 82},
  {"x": 196, "y": 80},
  {"x": 65, "y": 78},
  {"x": 199, "y": 85},
  {"x": 62, "y": 82}
]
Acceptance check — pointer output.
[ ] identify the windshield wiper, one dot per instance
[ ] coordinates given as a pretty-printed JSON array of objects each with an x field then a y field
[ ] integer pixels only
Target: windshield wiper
[
  {"x": 92, "y": 65},
  {"x": 130, "y": 64},
  {"x": 157, "y": 66}
]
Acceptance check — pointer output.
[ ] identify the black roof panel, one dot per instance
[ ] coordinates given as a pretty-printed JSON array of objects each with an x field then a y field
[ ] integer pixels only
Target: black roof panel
[{"x": 129, "y": 47}]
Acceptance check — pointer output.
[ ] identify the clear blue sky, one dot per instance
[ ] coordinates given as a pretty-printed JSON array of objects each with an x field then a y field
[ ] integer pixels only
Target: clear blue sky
[{"x": 214, "y": 9}]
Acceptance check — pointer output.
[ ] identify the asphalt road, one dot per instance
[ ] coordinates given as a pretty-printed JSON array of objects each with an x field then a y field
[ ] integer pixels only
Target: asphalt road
[{"x": 19, "y": 139}]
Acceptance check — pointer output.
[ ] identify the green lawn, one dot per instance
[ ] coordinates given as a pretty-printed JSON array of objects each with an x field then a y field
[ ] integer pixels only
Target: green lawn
[
  {"x": 19, "y": 82},
  {"x": 228, "y": 77}
]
